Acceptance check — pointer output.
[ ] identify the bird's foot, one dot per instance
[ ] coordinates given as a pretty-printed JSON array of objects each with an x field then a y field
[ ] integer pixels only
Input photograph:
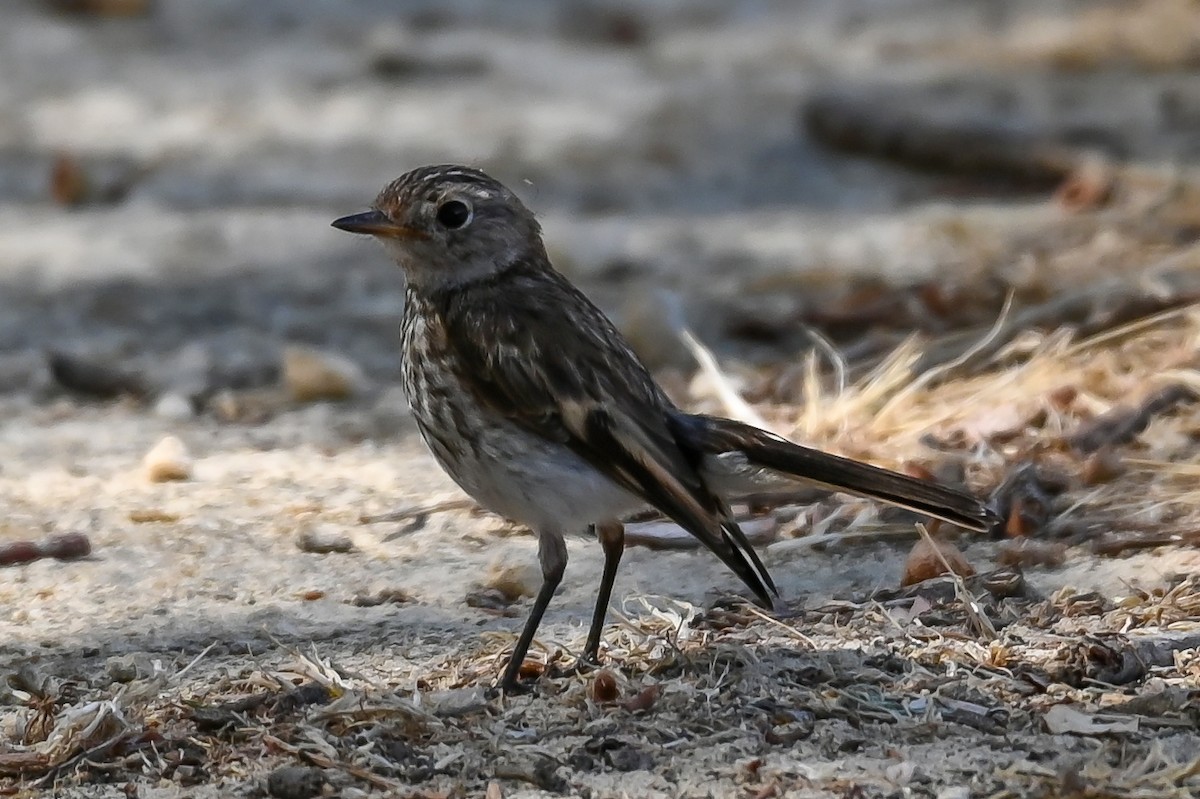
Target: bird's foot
[
  {"x": 516, "y": 685},
  {"x": 515, "y": 688},
  {"x": 584, "y": 664},
  {"x": 519, "y": 679}
]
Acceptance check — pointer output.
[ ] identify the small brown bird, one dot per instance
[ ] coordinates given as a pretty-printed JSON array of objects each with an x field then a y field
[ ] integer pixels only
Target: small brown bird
[{"x": 537, "y": 407}]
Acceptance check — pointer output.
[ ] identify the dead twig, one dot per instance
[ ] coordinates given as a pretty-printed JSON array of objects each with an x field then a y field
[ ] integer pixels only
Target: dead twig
[
  {"x": 1119, "y": 543},
  {"x": 975, "y": 613},
  {"x": 85, "y": 754},
  {"x": 419, "y": 511},
  {"x": 789, "y": 629},
  {"x": 976, "y": 353},
  {"x": 666, "y": 535},
  {"x": 321, "y": 761},
  {"x": 736, "y": 407},
  {"x": 1122, "y": 424}
]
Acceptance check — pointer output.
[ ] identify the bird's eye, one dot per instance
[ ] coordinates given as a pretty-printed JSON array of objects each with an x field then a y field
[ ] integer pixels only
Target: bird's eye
[{"x": 453, "y": 214}]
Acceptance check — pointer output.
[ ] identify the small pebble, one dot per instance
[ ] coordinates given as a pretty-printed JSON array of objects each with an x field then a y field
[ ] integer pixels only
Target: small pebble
[
  {"x": 167, "y": 460},
  {"x": 954, "y": 792},
  {"x": 127, "y": 668},
  {"x": 295, "y": 782},
  {"x": 1029, "y": 552},
  {"x": 644, "y": 699},
  {"x": 68, "y": 180},
  {"x": 924, "y": 564},
  {"x": 16, "y": 552},
  {"x": 66, "y": 546},
  {"x": 455, "y": 701},
  {"x": 311, "y": 375},
  {"x": 253, "y": 406},
  {"x": 487, "y": 599},
  {"x": 186, "y": 774},
  {"x": 224, "y": 405},
  {"x": 386, "y": 596},
  {"x": 175, "y": 407},
  {"x": 323, "y": 539},
  {"x": 1102, "y": 466},
  {"x": 604, "y": 688},
  {"x": 789, "y": 732},
  {"x": 513, "y": 581}
]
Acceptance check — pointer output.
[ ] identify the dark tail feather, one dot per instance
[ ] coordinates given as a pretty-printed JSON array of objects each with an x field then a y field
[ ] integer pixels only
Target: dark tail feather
[
  {"x": 754, "y": 574},
  {"x": 713, "y": 436},
  {"x": 633, "y": 461}
]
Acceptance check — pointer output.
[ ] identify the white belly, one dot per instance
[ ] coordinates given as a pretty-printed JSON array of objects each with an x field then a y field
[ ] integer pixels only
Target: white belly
[{"x": 547, "y": 487}]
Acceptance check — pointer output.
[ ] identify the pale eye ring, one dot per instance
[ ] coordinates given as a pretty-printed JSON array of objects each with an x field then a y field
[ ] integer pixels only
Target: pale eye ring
[{"x": 454, "y": 214}]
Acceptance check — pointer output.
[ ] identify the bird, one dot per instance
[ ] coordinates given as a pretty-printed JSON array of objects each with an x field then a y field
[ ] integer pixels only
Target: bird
[{"x": 535, "y": 405}]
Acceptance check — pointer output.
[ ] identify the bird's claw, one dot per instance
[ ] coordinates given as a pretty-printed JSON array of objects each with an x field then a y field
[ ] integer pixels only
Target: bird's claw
[{"x": 514, "y": 688}]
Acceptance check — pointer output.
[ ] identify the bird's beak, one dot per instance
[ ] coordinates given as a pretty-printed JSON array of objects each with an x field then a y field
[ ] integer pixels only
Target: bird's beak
[{"x": 376, "y": 223}]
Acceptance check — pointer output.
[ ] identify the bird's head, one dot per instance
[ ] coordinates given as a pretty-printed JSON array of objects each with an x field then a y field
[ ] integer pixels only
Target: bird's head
[{"x": 449, "y": 225}]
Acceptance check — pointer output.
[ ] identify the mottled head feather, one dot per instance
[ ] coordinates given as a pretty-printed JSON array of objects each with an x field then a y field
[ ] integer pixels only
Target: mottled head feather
[{"x": 499, "y": 232}]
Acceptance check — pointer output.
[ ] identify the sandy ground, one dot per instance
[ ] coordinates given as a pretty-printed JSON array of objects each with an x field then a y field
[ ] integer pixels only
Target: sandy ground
[{"x": 662, "y": 149}]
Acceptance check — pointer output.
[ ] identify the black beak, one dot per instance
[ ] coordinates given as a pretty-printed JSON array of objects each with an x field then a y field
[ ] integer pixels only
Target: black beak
[{"x": 376, "y": 223}]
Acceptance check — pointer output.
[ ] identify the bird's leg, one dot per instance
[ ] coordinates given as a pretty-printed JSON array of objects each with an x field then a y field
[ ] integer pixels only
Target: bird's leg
[
  {"x": 552, "y": 552},
  {"x": 612, "y": 539}
]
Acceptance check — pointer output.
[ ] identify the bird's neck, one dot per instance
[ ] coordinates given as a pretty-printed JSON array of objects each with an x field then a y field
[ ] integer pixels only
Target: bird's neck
[{"x": 467, "y": 278}]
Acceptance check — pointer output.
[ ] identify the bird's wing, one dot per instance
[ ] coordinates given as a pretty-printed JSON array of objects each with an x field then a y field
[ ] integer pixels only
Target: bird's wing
[{"x": 540, "y": 354}]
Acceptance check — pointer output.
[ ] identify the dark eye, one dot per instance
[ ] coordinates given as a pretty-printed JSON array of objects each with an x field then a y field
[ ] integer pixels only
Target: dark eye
[{"x": 453, "y": 214}]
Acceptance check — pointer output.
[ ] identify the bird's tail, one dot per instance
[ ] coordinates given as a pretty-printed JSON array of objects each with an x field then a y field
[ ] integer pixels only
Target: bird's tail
[{"x": 712, "y": 435}]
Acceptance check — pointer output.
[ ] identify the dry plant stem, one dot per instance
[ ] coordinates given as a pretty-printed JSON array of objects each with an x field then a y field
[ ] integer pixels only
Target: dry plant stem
[
  {"x": 982, "y": 623},
  {"x": 1121, "y": 302},
  {"x": 1131, "y": 328},
  {"x": 1122, "y": 424},
  {"x": 321, "y": 761},
  {"x": 770, "y": 500},
  {"x": 928, "y": 376},
  {"x": 736, "y": 407},
  {"x": 87, "y": 754},
  {"x": 792, "y": 631},
  {"x": 1110, "y": 309},
  {"x": 860, "y": 535},
  {"x": 757, "y": 501},
  {"x": 195, "y": 661},
  {"x": 670, "y": 536},
  {"x": 406, "y": 514},
  {"x": 1120, "y": 543},
  {"x": 836, "y": 359}
]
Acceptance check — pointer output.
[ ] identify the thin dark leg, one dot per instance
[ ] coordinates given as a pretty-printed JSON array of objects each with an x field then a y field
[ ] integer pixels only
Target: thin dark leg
[
  {"x": 552, "y": 551},
  {"x": 612, "y": 539}
]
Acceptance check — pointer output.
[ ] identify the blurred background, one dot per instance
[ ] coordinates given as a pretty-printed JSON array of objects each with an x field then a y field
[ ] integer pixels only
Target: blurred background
[{"x": 168, "y": 168}]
